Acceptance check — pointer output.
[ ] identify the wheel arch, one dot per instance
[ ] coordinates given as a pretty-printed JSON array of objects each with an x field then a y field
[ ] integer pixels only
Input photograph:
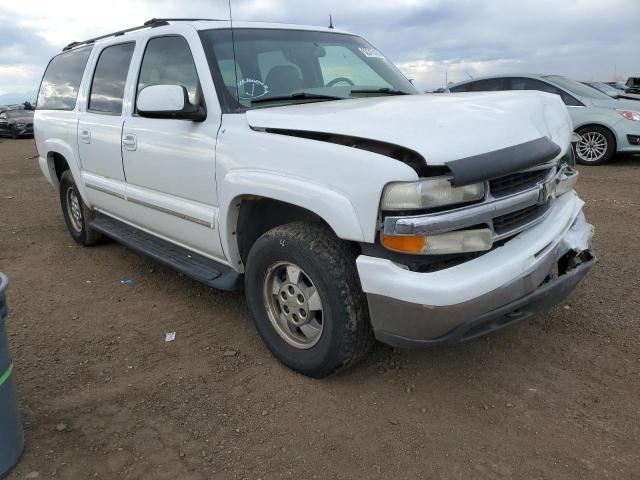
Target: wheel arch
[
  {"x": 600, "y": 125},
  {"x": 258, "y": 202}
]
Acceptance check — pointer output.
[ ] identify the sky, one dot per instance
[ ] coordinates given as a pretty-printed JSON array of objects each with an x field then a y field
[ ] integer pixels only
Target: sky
[{"x": 430, "y": 40}]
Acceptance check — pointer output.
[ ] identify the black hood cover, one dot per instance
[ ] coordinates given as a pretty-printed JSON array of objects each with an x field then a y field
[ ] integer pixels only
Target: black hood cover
[{"x": 502, "y": 162}]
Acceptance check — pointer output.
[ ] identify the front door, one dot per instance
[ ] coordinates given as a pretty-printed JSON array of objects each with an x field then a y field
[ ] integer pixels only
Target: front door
[{"x": 169, "y": 163}]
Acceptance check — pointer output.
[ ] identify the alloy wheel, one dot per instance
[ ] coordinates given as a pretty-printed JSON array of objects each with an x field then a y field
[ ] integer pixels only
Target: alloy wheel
[
  {"x": 74, "y": 210},
  {"x": 592, "y": 146},
  {"x": 293, "y": 305}
]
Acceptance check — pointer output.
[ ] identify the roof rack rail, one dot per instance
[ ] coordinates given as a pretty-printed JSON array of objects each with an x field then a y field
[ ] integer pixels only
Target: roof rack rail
[{"x": 154, "y": 22}]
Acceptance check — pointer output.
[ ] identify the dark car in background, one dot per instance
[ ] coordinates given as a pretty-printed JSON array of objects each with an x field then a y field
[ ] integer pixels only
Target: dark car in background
[
  {"x": 633, "y": 85},
  {"x": 16, "y": 123},
  {"x": 618, "y": 86}
]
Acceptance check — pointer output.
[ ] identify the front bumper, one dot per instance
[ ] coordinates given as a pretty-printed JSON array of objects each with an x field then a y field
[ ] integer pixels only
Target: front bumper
[
  {"x": 507, "y": 285},
  {"x": 26, "y": 131},
  {"x": 627, "y": 132}
]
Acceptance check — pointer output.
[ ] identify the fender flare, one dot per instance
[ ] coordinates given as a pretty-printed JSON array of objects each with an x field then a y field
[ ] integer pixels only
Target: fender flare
[
  {"x": 331, "y": 205},
  {"x": 62, "y": 148}
]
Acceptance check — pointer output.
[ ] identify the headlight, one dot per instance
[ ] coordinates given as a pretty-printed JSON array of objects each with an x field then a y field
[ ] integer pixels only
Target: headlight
[
  {"x": 630, "y": 115},
  {"x": 429, "y": 193},
  {"x": 460, "y": 241},
  {"x": 20, "y": 125}
]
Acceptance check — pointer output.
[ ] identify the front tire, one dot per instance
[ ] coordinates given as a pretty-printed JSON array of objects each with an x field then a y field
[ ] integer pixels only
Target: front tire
[
  {"x": 304, "y": 294},
  {"x": 597, "y": 146},
  {"x": 13, "y": 133},
  {"x": 76, "y": 214}
]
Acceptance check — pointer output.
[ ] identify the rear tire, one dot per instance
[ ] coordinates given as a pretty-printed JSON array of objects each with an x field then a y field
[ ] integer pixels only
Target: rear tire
[
  {"x": 596, "y": 146},
  {"x": 304, "y": 294},
  {"x": 76, "y": 214}
]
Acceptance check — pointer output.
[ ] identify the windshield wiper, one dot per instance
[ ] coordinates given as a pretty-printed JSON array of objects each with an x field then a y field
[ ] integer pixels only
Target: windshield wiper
[
  {"x": 297, "y": 96},
  {"x": 388, "y": 91}
]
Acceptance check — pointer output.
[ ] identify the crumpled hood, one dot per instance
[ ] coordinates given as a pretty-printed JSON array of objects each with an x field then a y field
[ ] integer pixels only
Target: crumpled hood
[{"x": 440, "y": 127}]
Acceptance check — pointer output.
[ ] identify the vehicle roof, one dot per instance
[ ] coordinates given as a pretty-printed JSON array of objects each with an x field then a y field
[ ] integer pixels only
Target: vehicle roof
[
  {"x": 506, "y": 75},
  {"x": 154, "y": 25}
]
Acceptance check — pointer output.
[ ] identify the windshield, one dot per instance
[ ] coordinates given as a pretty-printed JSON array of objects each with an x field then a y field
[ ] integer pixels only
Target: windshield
[
  {"x": 604, "y": 88},
  {"x": 297, "y": 66},
  {"x": 577, "y": 88}
]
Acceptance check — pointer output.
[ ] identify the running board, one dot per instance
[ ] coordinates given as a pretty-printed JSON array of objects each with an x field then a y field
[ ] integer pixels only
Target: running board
[{"x": 192, "y": 264}]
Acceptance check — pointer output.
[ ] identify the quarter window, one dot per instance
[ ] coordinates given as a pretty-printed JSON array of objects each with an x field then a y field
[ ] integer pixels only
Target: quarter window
[
  {"x": 110, "y": 78},
  {"x": 168, "y": 61},
  {"x": 61, "y": 80}
]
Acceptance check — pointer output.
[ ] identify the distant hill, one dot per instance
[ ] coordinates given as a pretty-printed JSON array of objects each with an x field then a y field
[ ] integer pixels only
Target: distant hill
[{"x": 15, "y": 97}]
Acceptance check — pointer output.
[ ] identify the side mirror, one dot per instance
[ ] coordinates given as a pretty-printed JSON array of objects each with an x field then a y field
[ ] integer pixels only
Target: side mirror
[{"x": 168, "y": 101}]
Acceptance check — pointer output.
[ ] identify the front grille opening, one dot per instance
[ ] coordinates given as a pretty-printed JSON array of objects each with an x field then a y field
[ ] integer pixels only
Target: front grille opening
[
  {"x": 515, "y": 182},
  {"x": 519, "y": 218}
]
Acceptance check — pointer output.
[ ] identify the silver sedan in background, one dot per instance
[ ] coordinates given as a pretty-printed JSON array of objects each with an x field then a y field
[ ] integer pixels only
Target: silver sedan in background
[{"x": 606, "y": 125}]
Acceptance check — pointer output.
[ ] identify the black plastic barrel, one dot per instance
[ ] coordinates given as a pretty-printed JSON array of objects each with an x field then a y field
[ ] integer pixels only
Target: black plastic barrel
[{"x": 11, "y": 433}]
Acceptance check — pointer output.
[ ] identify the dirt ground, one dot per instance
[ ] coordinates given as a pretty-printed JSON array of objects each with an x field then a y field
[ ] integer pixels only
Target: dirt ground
[{"x": 103, "y": 396}]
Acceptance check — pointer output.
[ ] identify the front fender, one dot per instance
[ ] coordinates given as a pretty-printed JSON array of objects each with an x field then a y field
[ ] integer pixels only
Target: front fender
[{"x": 333, "y": 206}]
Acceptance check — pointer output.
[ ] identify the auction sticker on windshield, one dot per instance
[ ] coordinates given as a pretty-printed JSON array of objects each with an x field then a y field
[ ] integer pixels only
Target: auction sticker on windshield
[
  {"x": 250, "y": 88},
  {"x": 370, "y": 52}
]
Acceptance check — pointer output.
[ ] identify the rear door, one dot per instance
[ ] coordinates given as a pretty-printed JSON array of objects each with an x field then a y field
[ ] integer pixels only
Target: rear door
[
  {"x": 100, "y": 128},
  {"x": 170, "y": 163}
]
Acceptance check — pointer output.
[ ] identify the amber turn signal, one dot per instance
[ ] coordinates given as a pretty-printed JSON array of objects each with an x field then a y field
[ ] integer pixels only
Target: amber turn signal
[{"x": 405, "y": 244}]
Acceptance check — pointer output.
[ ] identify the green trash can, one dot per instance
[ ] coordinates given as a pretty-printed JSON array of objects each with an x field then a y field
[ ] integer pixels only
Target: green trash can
[{"x": 11, "y": 433}]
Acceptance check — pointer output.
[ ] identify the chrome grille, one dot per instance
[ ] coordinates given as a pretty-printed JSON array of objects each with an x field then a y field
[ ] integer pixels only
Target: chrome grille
[
  {"x": 512, "y": 221},
  {"x": 517, "y": 181}
]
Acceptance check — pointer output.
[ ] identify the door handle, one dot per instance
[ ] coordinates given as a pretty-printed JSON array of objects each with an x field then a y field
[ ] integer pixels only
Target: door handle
[
  {"x": 85, "y": 136},
  {"x": 129, "y": 142}
]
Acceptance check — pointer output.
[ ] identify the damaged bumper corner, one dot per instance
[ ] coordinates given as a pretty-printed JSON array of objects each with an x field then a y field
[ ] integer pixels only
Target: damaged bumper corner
[{"x": 555, "y": 268}]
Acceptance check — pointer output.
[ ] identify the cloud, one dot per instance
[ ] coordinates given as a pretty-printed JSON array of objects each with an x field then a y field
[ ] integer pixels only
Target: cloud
[{"x": 428, "y": 39}]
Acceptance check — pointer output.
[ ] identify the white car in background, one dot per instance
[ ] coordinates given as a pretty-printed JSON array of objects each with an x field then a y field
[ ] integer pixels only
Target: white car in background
[{"x": 299, "y": 163}]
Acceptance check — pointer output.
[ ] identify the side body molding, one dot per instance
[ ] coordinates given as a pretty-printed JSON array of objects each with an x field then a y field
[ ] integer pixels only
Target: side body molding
[{"x": 329, "y": 204}]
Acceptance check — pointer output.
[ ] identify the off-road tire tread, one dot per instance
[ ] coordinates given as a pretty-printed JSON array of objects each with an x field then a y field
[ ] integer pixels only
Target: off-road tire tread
[{"x": 338, "y": 259}]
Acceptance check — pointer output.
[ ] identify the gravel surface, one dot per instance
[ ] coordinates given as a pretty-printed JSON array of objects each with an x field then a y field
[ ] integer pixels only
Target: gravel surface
[{"x": 104, "y": 396}]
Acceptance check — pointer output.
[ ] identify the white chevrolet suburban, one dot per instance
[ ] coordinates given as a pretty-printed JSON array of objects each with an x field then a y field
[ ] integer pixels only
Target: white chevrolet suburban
[{"x": 299, "y": 163}]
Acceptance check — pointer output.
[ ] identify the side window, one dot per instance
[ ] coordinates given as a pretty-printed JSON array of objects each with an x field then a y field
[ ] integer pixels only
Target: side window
[
  {"x": 488, "y": 85},
  {"x": 168, "y": 61},
  {"x": 110, "y": 78},
  {"x": 533, "y": 84},
  {"x": 61, "y": 80},
  {"x": 461, "y": 88}
]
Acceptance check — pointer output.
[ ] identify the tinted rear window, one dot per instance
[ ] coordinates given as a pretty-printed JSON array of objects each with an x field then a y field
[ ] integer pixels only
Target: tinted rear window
[
  {"x": 110, "y": 78},
  {"x": 59, "y": 87}
]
